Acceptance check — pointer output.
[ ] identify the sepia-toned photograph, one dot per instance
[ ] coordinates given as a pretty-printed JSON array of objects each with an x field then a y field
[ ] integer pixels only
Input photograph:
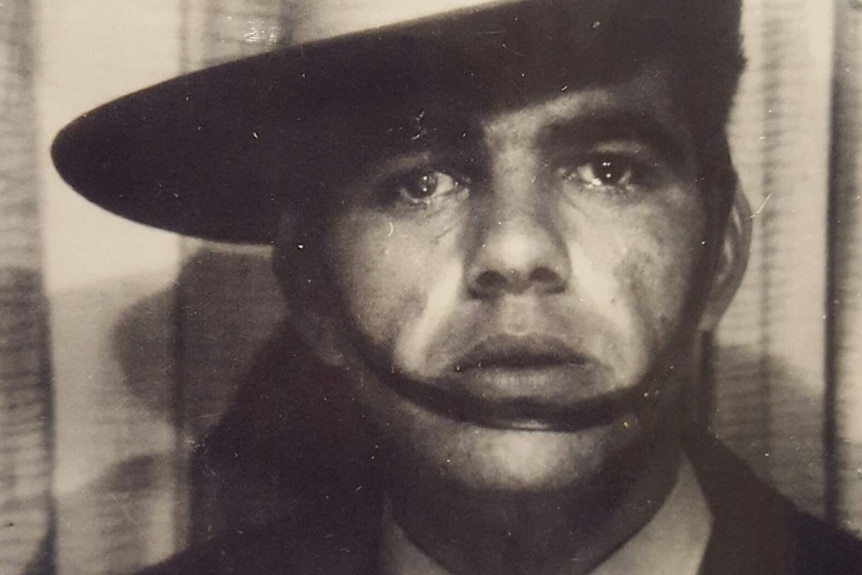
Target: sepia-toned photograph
[{"x": 431, "y": 287}]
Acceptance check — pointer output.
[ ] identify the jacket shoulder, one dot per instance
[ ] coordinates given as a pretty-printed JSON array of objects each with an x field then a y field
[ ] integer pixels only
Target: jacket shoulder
[
  {"x": 274, "y": 548},
  {"x": 757, "y": 531}
]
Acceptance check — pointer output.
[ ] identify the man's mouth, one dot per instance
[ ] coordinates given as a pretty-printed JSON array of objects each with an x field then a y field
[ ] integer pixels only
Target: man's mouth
[
  {"x": 521, "y": 382},
  {"x": 517, "y": 352}
]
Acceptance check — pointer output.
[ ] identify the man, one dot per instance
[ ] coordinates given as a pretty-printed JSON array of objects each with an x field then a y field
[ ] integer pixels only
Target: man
[{"x": 501, "y": 232}]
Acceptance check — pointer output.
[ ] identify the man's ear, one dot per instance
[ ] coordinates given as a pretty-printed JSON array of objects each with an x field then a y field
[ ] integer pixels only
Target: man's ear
[
  {"x": 731, "y": 264},
  {"x": 296, "y": 265}
]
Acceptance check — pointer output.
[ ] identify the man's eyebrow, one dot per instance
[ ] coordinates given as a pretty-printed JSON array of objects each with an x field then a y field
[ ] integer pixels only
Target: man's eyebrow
[{"x": 593, "y": 129}]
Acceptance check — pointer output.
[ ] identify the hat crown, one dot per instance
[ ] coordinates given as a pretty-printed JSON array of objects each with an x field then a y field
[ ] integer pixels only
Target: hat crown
[{"x": 315, "y": 20}]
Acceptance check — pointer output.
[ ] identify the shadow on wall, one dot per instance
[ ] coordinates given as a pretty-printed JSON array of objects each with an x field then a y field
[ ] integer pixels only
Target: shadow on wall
[
  {"x": 769, "y": 415},
  {"x": 145, "y": 367},
  {"x": 222, "y": 306}
]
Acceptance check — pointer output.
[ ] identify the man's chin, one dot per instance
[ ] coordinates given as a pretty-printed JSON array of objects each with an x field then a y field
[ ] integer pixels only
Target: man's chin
[{"x": 514, "y": 458}]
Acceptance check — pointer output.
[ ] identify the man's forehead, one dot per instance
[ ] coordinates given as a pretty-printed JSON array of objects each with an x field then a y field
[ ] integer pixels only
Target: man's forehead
[
  {"x": 436, "y": 124},
  {"x": 645, "y": 99}
]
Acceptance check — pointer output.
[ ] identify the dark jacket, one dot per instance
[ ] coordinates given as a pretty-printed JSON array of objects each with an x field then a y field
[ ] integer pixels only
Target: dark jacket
[{"x": 329, "y": 506}]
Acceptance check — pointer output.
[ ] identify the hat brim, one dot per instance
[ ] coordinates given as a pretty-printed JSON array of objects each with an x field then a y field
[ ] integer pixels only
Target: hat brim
[{"x": 219, "y": 153}]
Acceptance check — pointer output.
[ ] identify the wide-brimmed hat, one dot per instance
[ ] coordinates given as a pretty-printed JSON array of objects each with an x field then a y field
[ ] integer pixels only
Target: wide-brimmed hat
[{"x": 220, "y": 153}]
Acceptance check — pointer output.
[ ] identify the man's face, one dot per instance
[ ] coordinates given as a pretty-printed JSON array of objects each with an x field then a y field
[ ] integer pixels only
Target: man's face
[{"x": 512, "y": 304}]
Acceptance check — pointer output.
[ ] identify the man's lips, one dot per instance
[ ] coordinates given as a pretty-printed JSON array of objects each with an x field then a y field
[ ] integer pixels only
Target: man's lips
[
  {"x": 520, "y": 382},
  {"x": 516, "y": 352}
]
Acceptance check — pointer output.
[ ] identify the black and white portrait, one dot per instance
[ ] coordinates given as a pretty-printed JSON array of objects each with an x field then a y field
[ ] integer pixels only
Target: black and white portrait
[{"x": 415, "y": 287}]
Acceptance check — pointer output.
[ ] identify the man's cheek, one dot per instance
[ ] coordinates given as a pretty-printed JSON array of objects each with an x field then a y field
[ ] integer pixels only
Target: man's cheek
[
  {"x": 377, "y": 308},
  {"x": 428, "y": 316},
  {"x": 658, "y": 290},
  {"x": 389, "y": 286},
  {"x": 602, "y": 298}
]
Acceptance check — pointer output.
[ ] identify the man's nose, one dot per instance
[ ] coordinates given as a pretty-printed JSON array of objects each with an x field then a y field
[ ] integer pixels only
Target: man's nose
[{"x": 517, "y": 247}]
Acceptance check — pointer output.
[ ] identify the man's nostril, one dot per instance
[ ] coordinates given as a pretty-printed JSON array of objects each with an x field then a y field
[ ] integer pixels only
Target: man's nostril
[
  {"x": 489, "y": 283},
  {"x": 545, "y": 276}
]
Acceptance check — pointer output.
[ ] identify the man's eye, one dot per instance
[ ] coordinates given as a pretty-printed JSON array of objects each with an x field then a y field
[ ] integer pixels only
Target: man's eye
[
  {"x": 422, "y": 188},
  {"x": 605, "y": 171}
]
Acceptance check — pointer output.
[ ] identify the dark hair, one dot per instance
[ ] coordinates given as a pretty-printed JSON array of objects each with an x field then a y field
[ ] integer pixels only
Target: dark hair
[{"x": 701, "y": 42}]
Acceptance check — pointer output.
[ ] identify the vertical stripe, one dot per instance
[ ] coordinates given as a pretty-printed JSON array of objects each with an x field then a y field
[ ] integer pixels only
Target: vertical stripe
[
  {"x": 107, "y": 279},
  {"x": 228, "y": 299},
  {"x": 25, "y": 391},
  {"x": 742, "y": 411},
  {"x": 770, "y": 364},
  {"x": 845, "y": 304}
]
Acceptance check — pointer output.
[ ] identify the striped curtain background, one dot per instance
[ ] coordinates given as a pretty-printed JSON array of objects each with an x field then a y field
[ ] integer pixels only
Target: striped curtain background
[
  {"x": 101, "y": 422},
  {"x": 771, "y": 362},
  {"x": 25, "y": 392},
  {"x": 844, "y": 304}
]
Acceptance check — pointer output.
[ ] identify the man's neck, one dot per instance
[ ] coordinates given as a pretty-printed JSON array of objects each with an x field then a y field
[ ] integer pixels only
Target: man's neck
[
  {"x": 673, "y": 541},
  {"x": 536, "y": 533}
]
